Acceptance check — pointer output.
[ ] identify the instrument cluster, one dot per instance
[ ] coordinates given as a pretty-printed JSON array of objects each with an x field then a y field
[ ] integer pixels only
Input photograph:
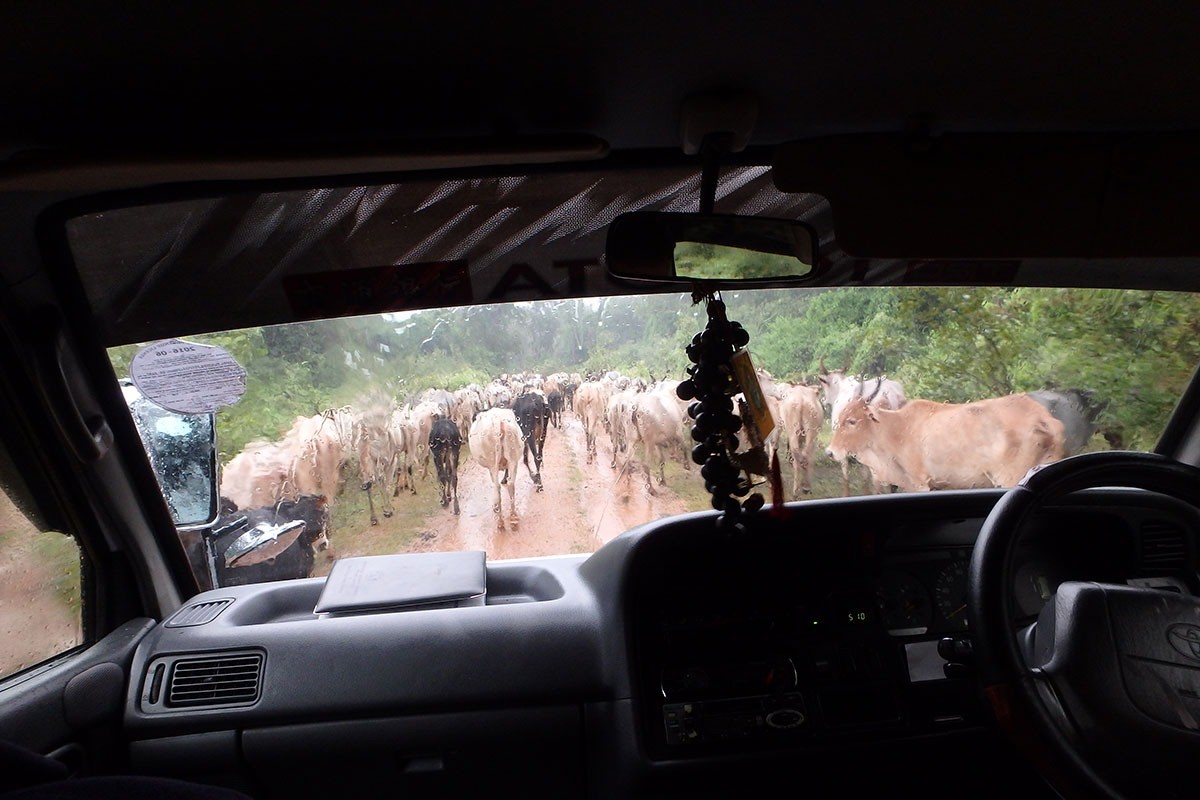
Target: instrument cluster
[{"x": 923, "y": 594}]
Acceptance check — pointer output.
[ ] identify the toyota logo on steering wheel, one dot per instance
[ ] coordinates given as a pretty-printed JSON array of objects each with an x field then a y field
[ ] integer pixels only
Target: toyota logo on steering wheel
[{"x": 1185, "y": 638}]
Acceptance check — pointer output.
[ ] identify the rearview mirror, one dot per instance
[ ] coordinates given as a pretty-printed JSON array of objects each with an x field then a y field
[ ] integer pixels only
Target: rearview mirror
[
  {"x": 183, "y": 452},
  {"x": 723, "y": 248}
]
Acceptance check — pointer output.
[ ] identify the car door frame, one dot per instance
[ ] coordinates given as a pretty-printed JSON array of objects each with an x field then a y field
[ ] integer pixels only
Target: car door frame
[{"x": 76, "y": 448}]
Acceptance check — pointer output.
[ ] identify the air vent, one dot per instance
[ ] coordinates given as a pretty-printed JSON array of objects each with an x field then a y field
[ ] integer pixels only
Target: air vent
[
  {"x": 227, "y": 679},
  {"x": 1164, "y": 547},
  {"x": 198, "y": 613}
]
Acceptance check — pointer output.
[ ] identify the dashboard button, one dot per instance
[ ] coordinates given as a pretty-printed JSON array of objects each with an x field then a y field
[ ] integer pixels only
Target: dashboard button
[
  {"x": 956, "y": 649},
  {"x": 785, "y": 718}
]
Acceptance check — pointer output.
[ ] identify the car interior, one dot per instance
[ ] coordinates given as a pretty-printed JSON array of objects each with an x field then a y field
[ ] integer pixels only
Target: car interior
[{"x": 171, "y": 172}]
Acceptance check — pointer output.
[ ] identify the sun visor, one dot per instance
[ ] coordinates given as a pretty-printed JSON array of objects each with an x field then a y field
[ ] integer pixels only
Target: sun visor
[
  {"x": 1003, "y": 196},
  {"x": 97, "y": 172},
  {"x": 186, "y": 265}
]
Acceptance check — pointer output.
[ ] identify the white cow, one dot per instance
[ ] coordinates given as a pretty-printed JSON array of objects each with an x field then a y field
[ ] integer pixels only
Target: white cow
[
  {"x": 619, "y": 421},
  {"x": 377, "y": 456},
  {"x": 800, "y": 419},
  {"x": 259, "y": 475},
  {"x": 591, "y": 401},
  {"x": 658, "y": 428},
  {"x": 468, "y": 403},
  {"x": 495, "y": 441}
]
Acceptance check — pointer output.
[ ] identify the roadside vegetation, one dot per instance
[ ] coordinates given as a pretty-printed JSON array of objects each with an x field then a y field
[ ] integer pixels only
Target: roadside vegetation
[{"x": 1134, "y": 350}]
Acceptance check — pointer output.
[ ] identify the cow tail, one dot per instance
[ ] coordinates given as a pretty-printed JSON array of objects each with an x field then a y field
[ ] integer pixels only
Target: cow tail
[
  {"x": 500, "y": 449},
  {"x": 520, "y": 435}
]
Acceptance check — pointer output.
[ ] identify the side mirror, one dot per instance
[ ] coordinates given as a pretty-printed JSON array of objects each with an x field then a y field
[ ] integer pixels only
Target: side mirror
[
  {"x": 723, "y": 248},
  {"x": 183, "y": 451}
]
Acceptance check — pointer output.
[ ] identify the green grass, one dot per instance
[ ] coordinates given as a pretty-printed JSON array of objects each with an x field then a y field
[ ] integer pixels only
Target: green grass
[
  {"x": 60, "y": 556},
  {"x": 826, "y": 481},
  {"x": 351, "y": 532},
  {"x": 688, "y": 485},
  {"x": 575, "y": 481}
]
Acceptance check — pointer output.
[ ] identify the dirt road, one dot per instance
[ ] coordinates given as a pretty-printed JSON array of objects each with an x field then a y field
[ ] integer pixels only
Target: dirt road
[
  {"x": 35, "y": 621},
  {"x": 582, "y": 506}
]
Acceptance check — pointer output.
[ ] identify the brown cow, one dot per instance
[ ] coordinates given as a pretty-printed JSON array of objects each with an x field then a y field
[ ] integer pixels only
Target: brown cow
[{"x": 927, "y": 445}]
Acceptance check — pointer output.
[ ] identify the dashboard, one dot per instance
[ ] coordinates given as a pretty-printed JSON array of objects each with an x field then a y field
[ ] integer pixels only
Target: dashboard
[
  {"x": 839, "y": 623},
  {"x": 664, "y": 663}
]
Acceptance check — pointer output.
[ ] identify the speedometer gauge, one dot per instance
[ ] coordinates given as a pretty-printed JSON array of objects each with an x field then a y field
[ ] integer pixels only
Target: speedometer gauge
[
  {"x": 904, "y": 605},
  {"x": 950, "y": 593}
]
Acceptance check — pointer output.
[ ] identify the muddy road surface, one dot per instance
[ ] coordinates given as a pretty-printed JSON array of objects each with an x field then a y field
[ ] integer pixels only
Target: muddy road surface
[
  {"x": 581, "y": 507},
  {"x": 36, "y": 619}
]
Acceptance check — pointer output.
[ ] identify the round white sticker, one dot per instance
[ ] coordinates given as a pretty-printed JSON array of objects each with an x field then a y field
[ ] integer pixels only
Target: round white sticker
[{"x": 186, "y": 377}]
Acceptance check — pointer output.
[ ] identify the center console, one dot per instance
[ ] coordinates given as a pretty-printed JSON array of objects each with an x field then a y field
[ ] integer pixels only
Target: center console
[{"x": 778, "y": 640}]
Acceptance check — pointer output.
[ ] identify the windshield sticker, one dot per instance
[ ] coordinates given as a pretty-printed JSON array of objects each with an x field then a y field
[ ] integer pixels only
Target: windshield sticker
[
  {"x": 187, "y": 377},
  {"x": 377, "y": 290}
]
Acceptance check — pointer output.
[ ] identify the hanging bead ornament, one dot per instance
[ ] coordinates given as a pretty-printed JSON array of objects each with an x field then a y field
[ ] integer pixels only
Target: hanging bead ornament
[{"x": 711, "y": 387}]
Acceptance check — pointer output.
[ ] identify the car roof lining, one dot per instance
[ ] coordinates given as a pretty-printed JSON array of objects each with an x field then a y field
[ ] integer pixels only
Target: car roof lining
[
  {"x": 275, "y": 74},
  {"x": 998, "y": 195},
  {"x": 106, "y": 171}
]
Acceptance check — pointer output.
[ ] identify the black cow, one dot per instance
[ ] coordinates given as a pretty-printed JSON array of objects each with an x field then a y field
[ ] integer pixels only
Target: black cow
[
  {"x": 295, "y": 561},
  {"x": 554, "y": 402},
  {"x": 1077, "y": 410},
  {"x": 445, "y": 441},
  {"x": 532, "y": 415},
  {"x": 569, "y": 391}
]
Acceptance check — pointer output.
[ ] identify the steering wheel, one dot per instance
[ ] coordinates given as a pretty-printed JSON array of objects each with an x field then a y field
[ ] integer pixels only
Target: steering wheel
[{"x": 1103, "y": 692}]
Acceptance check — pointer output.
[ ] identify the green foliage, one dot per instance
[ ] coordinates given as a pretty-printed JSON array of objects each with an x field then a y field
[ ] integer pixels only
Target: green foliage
[
  {"x": 969, "y": 342},
  {"x": 59, "y": 555},
  {"x": 712, "y": 262},
  {"x": 830, "y": 325},
  {"x": 1135, "y": 350}
]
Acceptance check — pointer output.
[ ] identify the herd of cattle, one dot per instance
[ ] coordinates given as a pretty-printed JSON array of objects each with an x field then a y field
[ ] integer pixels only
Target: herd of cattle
[{"x": 900, "y": 444}]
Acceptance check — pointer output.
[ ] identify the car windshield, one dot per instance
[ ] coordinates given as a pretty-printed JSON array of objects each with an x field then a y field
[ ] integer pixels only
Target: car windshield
[
  {"x": 344, "y": 408},
  {"x": 421, "y": 312}
]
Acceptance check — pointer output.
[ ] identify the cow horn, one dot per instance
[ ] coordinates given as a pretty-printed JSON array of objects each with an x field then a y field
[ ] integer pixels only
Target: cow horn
[
  {"x": 846, "y": 366},
  {"x": 878, "y": 386},
  {"x": 824, "y": 371}
]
